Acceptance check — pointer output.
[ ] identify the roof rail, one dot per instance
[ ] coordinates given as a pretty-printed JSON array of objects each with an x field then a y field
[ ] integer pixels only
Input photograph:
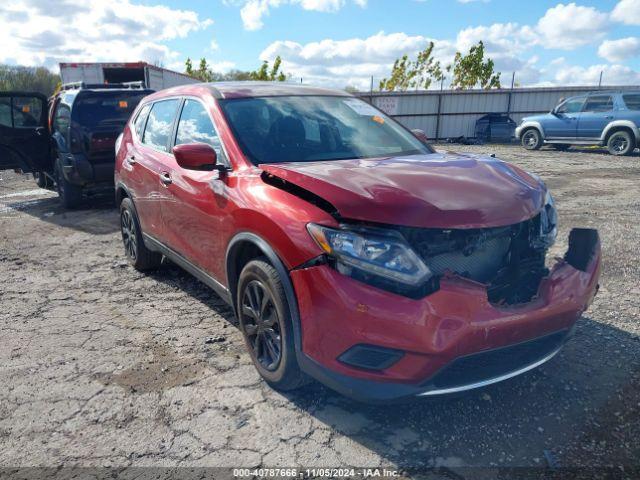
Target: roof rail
[{"x": 139, "y": 85}]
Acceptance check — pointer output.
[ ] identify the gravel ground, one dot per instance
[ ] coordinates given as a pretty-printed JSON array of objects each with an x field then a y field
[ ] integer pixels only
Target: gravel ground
[{"x": 103, "y": 366}]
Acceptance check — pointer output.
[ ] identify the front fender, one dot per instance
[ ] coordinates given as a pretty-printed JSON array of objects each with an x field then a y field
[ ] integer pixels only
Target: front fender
[{"x": 529, "y": 124}]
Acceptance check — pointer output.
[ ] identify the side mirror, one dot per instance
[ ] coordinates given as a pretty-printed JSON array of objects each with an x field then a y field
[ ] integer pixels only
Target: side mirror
[
  {"x": 420, "y": 135},
  {"x": 195, "y": 156}
]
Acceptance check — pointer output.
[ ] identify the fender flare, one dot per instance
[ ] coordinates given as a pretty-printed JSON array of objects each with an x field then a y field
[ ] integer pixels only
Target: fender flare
[
  {"x": 621, "y": 123},
  {"x": 121, "y": 186},
  {"x": 531, "y": 124},
  {"x": 278, "y": 264}
]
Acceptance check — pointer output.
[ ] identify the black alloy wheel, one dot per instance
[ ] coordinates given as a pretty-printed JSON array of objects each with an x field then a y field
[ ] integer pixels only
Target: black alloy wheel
[
  {"x": 260, "y": 322},
  {"x": 129, "y": 239}
]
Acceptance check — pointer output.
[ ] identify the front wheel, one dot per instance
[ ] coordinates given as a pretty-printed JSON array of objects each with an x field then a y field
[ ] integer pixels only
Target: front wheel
[
  {"x": 531, "y": 139},
  {"x": 265, "y": 322},
  {"x": 620, "y": 143}
]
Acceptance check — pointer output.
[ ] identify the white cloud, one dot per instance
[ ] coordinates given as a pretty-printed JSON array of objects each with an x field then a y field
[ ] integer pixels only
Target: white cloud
[
  {"x": 566, "y": 74},
  {"x": 570, "y": 26},
  {"x": 627, "y": 12},
  {"x": 222, "y": 67},
  {"x": 253, "y": 11},
  {"x": 620, "y": 50},
  {"x": 45, "y": 32}
]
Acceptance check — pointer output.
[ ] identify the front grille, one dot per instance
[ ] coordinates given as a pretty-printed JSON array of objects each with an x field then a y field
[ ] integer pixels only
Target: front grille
[
  {"x": 509, "y": 259},
  {"x": 494, "y": 363}
]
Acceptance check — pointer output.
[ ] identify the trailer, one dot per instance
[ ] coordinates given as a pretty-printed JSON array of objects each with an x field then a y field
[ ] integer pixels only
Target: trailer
[{"x": 151, "y": 76}]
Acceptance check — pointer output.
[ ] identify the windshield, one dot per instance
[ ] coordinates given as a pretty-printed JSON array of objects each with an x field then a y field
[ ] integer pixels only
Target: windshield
[
  {"x": 112, "y": 109},
  {"x": 314, "y": 128}
]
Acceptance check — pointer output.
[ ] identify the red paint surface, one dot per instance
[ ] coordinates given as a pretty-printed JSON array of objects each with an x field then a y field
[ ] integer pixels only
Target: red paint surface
[{"x": 200, "y": 212}]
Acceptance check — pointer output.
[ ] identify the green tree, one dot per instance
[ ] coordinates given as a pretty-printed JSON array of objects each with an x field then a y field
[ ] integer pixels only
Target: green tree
[
  {"x": 408, "y": 74},
  {"x": 269, "y": 75},
  {"x": 188, "y": 67},
  {"x": 472, "y": 70},
  {"x": 33, "y": 79}
]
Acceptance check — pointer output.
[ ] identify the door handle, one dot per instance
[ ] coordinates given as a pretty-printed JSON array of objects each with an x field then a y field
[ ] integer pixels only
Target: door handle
[
  {"x": 132, "y": 160},
  {"x": 165, "y": 178},
  {"x": 608, "y": 117}
]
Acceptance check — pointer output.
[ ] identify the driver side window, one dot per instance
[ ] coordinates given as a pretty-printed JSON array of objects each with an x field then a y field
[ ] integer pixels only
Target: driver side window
[{"x": 571, "y": 106}]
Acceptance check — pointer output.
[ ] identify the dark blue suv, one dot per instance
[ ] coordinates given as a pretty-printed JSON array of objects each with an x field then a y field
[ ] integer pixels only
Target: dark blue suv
[{"x": 610, "y": 119}]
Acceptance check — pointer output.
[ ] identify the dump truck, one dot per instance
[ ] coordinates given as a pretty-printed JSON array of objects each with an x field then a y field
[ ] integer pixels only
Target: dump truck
[{"x": 151, "y": 76}]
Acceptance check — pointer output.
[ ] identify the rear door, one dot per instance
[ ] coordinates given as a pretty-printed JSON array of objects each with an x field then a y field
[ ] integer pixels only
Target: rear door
[
  {"x": 563, "y": 122},
  {"x": 148, "y": 159},
  {"x": 596, "y": 114},
  {"x": 24, "y": 137}
]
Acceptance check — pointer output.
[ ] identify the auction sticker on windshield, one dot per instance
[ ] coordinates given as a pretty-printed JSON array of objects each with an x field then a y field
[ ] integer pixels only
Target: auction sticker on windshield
[{"x": 361, "y": 108}]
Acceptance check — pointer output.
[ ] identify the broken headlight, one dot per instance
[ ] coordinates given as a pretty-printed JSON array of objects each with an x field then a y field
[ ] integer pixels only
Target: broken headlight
[
  {"x": 549, "y": 221},
  {"x": 366, "y": 253}
]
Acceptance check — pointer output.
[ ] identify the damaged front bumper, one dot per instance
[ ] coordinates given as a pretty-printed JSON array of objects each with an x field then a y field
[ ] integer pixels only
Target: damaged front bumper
[{"x": 377, "y": 346}]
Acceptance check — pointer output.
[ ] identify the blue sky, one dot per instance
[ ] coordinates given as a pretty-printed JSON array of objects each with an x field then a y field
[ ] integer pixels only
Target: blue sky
[{"x": 335, "y": 42}]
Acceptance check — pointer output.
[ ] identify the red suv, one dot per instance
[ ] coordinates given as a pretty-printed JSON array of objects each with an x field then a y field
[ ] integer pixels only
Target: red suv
[{"x": 350, "y": 250}]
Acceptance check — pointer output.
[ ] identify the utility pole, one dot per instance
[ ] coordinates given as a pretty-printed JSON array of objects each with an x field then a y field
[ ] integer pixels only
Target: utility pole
[
  {"x": 600, "y": 82},
  {"x": 371, "y": 91}
]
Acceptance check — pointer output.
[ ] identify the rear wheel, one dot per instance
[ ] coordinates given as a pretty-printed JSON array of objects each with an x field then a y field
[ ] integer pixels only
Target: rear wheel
[
  {"x": 70, "y": 194},
  {"x": 137, "y": 253},
  {"x": 531, "y": 139},
  {"x": 265, "y": 322},
  {"x": 621, "y": 143},
  {"x": 562, "y": 147},
  {"x": 42, "y": 180}
]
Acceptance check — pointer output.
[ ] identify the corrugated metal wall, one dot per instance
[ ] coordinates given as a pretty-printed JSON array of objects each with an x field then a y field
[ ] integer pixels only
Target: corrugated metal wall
[{"x": 453, "y": 113}]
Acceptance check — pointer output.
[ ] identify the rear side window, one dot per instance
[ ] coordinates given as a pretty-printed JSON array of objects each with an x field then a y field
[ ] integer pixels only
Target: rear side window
[
  {"x": 632, "y": 101},
  {"x": 599, "y": 103},
  {"x": 195, "y": 126},
  {"x": 61, "y": 120},
  {"x": 138, "y": 125},
  {"x": 158, "y": 129}
]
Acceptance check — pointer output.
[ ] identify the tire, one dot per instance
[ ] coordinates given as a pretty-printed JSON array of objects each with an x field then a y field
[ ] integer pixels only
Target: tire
[
  {"x": 561, "y": 147},
  {"x": 70, "y": 194},
  {"x": 136, "y": 251},
  {"x": 42, "y": 180},
  {"x": 531, "y": 139},
  {"x": 621, "y": 143},
  {"x": 265, "y": 322}
]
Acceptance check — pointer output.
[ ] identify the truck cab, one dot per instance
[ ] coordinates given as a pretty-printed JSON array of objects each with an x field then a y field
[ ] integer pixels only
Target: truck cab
[{"x": 73, "y": 146}]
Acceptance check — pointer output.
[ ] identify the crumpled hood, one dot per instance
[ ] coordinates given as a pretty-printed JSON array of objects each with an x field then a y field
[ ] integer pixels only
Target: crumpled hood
[{"x": 441, "y": 190}]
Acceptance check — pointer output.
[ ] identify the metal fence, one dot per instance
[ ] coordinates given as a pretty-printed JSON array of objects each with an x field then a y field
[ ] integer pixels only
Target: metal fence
[{"x": 453, "y": 113}]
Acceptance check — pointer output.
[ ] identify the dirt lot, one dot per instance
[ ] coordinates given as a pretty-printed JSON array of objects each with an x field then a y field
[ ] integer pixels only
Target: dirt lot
[{"x": 102, "y": 365}]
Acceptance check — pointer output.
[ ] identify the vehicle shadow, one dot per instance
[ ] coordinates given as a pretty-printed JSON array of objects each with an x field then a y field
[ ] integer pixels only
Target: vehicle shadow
[
  {"x": 531, "y": 420},
  {"x": 97, "y": 215},
  {"x": 525, "y": 421}
]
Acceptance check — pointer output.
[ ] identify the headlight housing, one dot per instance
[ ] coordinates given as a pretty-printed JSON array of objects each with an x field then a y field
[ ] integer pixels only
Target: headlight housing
[
  {"x": 377, "y": 256},
  {"x": 549, "y": 221}
]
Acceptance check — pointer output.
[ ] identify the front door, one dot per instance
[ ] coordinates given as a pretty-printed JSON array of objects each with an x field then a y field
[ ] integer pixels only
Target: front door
[
  {"x": 595, "y": 116},
  {"x": 196, "y": 213},
  {"x": 562, "y": 123},
  {"x": 24, "y": 137}
]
